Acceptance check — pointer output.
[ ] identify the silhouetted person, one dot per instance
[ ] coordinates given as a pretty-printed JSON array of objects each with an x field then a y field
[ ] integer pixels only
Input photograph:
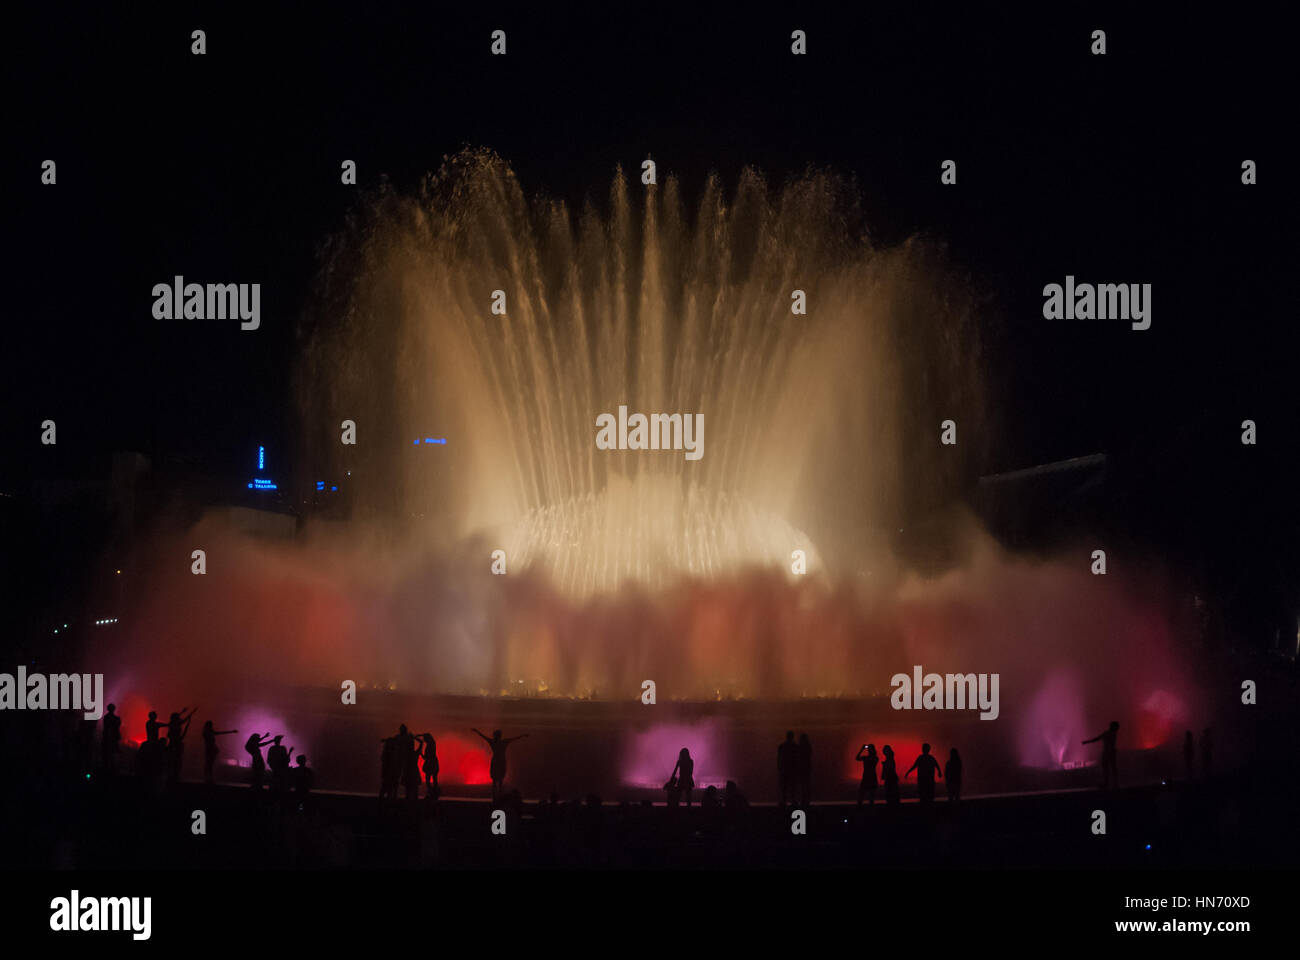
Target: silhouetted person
[
  {"x": 1207, "y": 753},
  {"x": 732, "y": 799},
  {"x": 926, "y": 768},
  {"x": 210, "y": 750},
  {"x": 151, "y": 727},
  {"x": 408, "y": 759},
  {"x": 277, "y": 758},
  {"x": 253, "y": 747},
  {"x": 303, "y": 778},
  {"x": 389, "y": 772},
  {"x": 497, "y": 769},
  {"x": 1189, "y": 754},
  {"x": 952, "y": 775},
  {"x": 178, "y": 723},
  {"x": 112, "y": 738},
  {"x": 1109, "y": 770},
  {"x": 803, "y": 769},
  {"x": 177, "y": 727},
  {"x": 684, "y": 774},
  {"x": 889, "y": 774},
  {"x": 672, "y": 793},
  {"x": 152, "y": 756},
  {"x": 868, "y": 759},
  {"x": 786, "y": 762},
  {"x": 430, "y": 754}
]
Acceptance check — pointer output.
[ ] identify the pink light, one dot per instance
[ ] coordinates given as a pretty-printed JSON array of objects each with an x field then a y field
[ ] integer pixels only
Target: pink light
[
  {"x": 1053, "y": 725},
  {"x": 250, "y": 720},
  {"x": 649, "y": 755}
]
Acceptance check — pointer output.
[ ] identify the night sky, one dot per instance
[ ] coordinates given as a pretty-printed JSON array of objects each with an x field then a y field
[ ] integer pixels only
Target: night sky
[{"x": 225, "y": 168}]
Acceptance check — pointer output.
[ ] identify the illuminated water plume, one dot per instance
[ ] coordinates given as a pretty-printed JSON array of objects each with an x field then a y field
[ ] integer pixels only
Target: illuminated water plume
[{"x": 806, "y": 414}]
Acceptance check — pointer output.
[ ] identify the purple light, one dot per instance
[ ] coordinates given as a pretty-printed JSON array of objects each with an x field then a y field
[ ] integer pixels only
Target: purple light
[
  {"x": 1053, "y": 725},
  {"x": 649, "y": 755},
  {"x": 250, "y": 720}
]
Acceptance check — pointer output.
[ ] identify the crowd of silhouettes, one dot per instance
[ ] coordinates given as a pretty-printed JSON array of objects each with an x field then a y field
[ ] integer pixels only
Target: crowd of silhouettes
[
  {"x": 408, "y": 760},
  {"x": 160, "y": 760},
  {"x": 105, "y": 815},
  {"x": 1110, "y": 749},
  {"x": 287, "y": 774},
  {"x": 925, "y": 765}
]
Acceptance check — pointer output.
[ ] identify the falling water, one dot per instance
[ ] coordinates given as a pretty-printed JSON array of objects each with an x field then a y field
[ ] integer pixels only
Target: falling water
[
  {"x": 804, "y": 414},
  {"x": 821, "y": 432},
  {"x": 821, "y": 435}
]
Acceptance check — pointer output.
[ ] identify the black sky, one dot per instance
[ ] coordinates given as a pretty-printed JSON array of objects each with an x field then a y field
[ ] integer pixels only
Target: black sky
[{"x": 1123, "y": 168}]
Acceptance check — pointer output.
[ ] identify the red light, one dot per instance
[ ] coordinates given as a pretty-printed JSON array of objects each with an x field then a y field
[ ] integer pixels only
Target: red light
[
  {"x": 907, "y": 747},
  {"x": 461, "y": 761},
  {"x": 1158, "y": 718}
]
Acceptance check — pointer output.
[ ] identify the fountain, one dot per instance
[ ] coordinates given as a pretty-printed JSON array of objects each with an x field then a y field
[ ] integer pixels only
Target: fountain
[
  {"x": 645, "y": 309},
  {"x": 497, "y": 333}
]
